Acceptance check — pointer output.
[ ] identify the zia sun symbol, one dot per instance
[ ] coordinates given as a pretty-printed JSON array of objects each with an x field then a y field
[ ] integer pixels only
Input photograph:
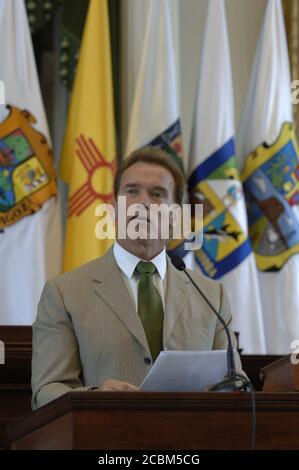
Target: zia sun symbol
[{"x": 93, "y": 161}]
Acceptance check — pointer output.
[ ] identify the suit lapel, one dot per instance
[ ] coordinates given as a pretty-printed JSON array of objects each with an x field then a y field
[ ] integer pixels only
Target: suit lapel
[
  {"x": 176, "y": 299},
  {"x": 110, "y": 287}
]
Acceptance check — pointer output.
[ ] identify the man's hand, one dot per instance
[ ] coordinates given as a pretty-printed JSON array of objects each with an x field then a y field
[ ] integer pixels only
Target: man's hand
[{"x": 111, "y": 385}]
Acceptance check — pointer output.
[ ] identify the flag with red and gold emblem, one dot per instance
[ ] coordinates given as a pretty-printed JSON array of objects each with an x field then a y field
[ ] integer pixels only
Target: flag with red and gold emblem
[
  {"x": 88, "y": 156},
  {"x": 30, "y": 222}
]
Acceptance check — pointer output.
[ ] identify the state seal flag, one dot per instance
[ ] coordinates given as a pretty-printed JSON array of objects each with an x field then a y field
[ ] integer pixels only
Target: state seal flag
[
  {"x": 155, "y": 114},
  {"x": 30, "y": 227},
  {"x": 214, "y": 182},
  {"x": 155, "y": 118},
  {"x": 88, "y": 155},
  {"x": 270, "y": 174}
]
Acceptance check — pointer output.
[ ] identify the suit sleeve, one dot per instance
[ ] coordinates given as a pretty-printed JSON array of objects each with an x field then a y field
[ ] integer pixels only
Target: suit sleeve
[
  {"x": 220, "y": 340},
  {"x": 56, "y": 366}
]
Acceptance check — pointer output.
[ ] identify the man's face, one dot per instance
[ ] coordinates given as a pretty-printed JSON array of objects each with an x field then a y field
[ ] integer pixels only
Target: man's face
[{"x": 143, "y": 184}]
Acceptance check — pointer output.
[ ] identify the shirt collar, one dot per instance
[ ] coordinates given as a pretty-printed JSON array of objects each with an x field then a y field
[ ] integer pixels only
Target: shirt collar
[{"x": 127, "y": 262}]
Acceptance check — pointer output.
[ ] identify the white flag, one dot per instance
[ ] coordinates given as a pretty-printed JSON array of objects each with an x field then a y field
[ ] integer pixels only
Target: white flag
[
  {"x": 30, "y": 235},
  {"x": 267, "y": 144},
  {"x": 154, "y": 118},
  {"x": 226, "y": 253}
]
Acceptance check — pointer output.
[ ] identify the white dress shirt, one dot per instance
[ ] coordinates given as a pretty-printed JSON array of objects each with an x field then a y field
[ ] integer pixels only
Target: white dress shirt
[{"x": 127, "y": 263}]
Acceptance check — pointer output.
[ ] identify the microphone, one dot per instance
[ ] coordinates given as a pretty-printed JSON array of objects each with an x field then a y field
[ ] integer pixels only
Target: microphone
[{"x": 234, "y": 381}]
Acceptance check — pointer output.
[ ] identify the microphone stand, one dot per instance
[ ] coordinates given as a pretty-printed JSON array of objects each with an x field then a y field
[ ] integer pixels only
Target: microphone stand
[{"x": 233, "y": 382}]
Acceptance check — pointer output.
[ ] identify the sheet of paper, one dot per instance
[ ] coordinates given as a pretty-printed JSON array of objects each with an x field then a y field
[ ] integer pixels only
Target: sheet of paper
[{"x": 185, "y": 371}]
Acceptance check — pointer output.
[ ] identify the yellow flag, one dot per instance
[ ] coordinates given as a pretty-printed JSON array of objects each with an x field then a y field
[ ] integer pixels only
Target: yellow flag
[{"x": 88, "y": 155}]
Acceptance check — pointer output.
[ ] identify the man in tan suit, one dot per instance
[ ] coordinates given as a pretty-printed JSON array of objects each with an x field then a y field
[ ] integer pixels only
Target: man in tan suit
[{"x": 89, "y": 332}]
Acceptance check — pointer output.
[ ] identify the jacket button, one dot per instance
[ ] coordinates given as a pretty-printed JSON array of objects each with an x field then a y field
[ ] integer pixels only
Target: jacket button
[{"x": 147, "y": 360}]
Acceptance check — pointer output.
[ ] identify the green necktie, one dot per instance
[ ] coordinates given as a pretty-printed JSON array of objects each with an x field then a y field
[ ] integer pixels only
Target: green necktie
[{"x": 150, "y": 307}]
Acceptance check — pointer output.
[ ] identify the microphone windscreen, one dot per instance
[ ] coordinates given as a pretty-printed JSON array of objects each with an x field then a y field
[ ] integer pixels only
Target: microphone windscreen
[{"x": 178, "y": 263}]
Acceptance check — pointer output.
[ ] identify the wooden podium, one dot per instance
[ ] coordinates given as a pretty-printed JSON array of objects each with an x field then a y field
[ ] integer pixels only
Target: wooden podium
[
  {"x": 281, "y": 376},
  {"x": 140, "y": 420},
  {"x": 94, "y": 420}
]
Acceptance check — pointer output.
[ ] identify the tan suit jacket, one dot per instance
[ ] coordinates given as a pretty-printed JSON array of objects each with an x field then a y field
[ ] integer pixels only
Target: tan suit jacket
[{"x": 87, "y": 328}]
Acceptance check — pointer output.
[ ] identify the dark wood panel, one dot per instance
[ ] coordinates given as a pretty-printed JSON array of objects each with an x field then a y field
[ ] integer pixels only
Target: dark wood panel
[
  {"x": 16, "y": 335},
  {"x": 252, "y": 364},
  {"x": 15, "y": 401},
  {"x": 18, "y": 351},
  {"x": 15, "y": 375}
]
